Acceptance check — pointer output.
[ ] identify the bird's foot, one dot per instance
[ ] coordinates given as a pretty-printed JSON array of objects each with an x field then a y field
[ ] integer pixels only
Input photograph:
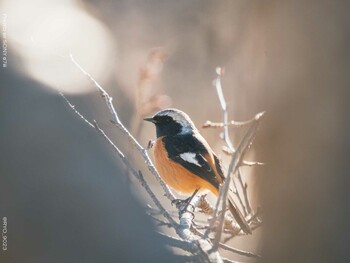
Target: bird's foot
[{"x": 183, "y": 204}]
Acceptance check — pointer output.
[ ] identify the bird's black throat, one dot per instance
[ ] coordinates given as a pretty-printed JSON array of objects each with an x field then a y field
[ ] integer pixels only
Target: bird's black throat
[{"x": 168, "y": 129}]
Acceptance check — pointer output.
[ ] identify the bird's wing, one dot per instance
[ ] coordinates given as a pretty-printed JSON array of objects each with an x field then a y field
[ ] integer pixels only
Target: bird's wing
[
  {"x": 194, "y": 155},
  {"x": 189, "y": 152}
]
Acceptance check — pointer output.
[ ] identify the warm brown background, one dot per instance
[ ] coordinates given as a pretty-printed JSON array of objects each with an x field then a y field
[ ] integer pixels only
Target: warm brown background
[{"x": 64, "y": 193}]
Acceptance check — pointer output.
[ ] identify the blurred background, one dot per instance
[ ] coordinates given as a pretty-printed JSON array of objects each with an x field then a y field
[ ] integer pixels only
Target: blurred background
[{"x": 64, "y": 193}]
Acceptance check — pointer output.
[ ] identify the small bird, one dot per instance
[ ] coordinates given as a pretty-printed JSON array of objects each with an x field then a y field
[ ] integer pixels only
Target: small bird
[{"x": 185, "y": 160}]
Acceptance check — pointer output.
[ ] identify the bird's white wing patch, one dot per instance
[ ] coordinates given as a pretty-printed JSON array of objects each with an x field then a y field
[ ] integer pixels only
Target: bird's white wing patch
[{"x": 189, "y": 157}]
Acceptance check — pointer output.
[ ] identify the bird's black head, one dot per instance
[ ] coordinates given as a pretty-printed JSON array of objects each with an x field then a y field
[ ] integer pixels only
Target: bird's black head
[{"x": 172, "y": 122}]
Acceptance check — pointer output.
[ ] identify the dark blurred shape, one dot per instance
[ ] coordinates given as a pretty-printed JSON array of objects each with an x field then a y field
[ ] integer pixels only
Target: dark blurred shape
[
  {"x": 306, "y": 138},
  {"x": 64, "y": 196}
]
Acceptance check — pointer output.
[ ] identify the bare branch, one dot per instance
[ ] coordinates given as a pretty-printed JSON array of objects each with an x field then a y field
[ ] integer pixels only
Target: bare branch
[
  {"x": 137, "y": 174},
  {"x": 226, "y": 137},
  {"x": 223, "y": 195},
  {"x": 226, "y": 150},
  {"x": 76, "y": 111},
  {"x": 115, "y": 120},
  {"x": 244, "y": 187},
  {"x": 209, "y": 124},
  {"x": 235, "y": 191},
  {"x": 230, "y": 148},
  {"x": 231, "y": 249},
  {"x": 219, "y": 72},
  {"x": 241, "y": 150},
  {"x": 236, "y": 160},
  {"x": 250, "y": 164},
  {"x": 198, "y": 248},
  {"x": 238, "y": 251},
  {"x": 153, "y": 197},
  {"x": 179, "y": 243}
]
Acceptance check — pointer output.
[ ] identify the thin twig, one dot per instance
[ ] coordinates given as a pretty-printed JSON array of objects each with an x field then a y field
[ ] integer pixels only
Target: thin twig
[
  {"x": 210, "y": 124},
  {"x": 236, "y": 193},
  {"x": 179, "y": 243},
  {"x": 236, "y": 159},
  {"x": 244, "y": 145},
  {"x": 226, "y": 137},
  {"x": 115, "y": 120},
  {"x": 224, "y": 195},
  {"x": 231, "y": 249},
  {"x": 223, "y": 104},
  {"x": 238, "y": 251},
  {"x": 250, "y": 164},
  {"x": 213, "y": 220},
  {"x": 244, "y": 187},
  {"x": 136, "y": 174}
]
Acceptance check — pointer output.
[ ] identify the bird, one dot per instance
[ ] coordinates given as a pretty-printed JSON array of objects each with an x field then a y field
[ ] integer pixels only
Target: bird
[{"x": 185, "y": 161}]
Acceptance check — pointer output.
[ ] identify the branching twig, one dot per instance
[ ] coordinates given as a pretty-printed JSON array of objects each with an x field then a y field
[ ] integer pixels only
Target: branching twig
[
  {"x": 234, "y": 164},
  {"x": 223, "y": 104},
  {"x": 179, "y": 243},
  {"x": 226, "y": 137},
  {"x": 226, "y": 150},
  {"x": 236, "y": 160},
  {"x": 238, "y": 251},
  {"x": 209, "y": 124},
  {"x": 137, "y": 174},
  {"x": 115, "y": 120},
  {"x": 246, "y": 207},
  {"x": 231, "y": 249},
  {"x": 250, "y": 164}
]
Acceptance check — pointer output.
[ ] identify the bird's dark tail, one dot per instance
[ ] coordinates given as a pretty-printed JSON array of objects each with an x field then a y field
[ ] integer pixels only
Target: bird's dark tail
[{"x": 237, "y": 215}]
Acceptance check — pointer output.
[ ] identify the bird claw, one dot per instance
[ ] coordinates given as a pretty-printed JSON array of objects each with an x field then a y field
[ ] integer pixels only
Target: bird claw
[{"x": 181, "y": 202}]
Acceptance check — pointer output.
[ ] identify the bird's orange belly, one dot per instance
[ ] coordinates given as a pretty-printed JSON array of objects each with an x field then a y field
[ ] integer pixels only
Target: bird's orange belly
[{"x": 175, "y": 175}]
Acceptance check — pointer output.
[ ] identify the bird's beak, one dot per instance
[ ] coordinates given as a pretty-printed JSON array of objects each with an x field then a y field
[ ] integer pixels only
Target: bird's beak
[{"x": 150, "y": 119}]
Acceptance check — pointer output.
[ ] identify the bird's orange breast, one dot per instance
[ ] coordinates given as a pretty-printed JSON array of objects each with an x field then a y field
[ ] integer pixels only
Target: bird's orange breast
[{"x": 177, "y": 176}]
